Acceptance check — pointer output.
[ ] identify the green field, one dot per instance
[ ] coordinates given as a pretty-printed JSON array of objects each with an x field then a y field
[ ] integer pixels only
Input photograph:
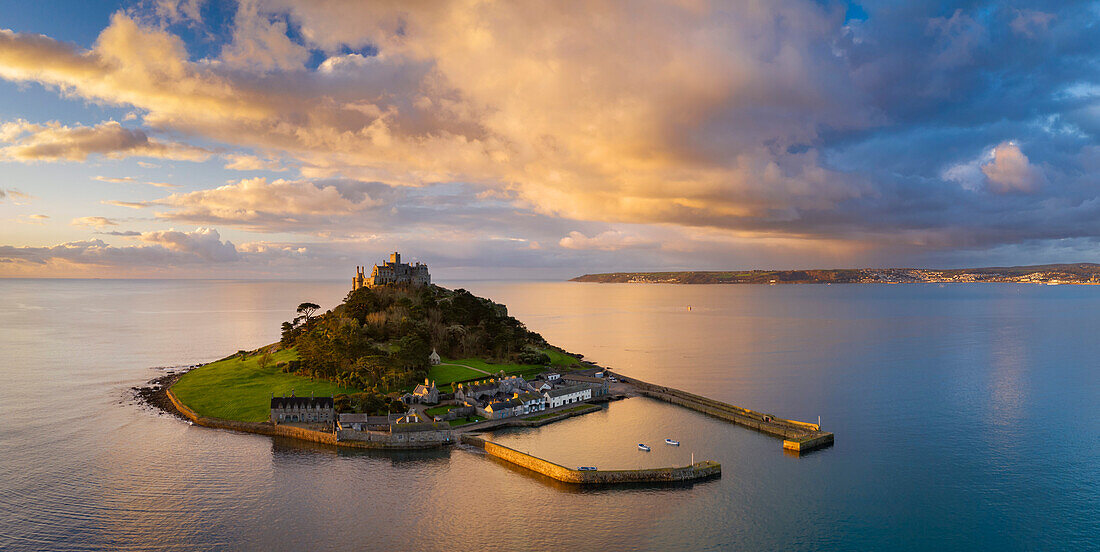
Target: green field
[
  {"x": 443, "y": 375},
  {"x": 462, "y": 421},
  {"x": 240, "y": 390},
  {"x": 557, "y": 360},
  {"x": 438, "y": 410}
]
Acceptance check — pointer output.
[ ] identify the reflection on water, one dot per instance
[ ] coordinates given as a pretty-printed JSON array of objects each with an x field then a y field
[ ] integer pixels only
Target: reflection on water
[{"x": 964, "y": 418}]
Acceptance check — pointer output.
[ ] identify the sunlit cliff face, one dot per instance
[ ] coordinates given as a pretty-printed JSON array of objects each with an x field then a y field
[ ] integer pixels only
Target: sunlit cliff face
[{"x": 594, "y": 134}]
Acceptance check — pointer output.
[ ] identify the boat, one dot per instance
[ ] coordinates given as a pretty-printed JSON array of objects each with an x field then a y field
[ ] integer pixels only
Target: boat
[
  {"x": 671, "y": 442},
  {"x": 587, "y": 468},
  {"x": 643, "y": 446}
]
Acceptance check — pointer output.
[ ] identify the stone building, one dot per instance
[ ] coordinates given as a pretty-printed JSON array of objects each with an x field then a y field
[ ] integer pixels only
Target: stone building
[
  {"x": 426, "y": 393},
  {"x": 567, "y": 395},
  {"x": 600, "y": 386},
  {"x": 314, "y": 410},
  {"x": 392, "y": 271}
]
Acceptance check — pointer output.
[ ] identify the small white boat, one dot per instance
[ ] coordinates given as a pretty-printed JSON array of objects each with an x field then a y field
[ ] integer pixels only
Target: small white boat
[
  {"x": 671, "y": 442},
  {"x": 587, "y": 468},
  {"x": 643, "y": 446}
]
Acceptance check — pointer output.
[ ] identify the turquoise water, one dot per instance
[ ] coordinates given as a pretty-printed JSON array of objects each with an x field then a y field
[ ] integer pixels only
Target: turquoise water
[{"x": 966, "y": 417}]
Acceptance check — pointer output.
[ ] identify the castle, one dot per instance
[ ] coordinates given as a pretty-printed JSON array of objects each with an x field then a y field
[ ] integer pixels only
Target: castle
[{"x": 392, "y": 272}]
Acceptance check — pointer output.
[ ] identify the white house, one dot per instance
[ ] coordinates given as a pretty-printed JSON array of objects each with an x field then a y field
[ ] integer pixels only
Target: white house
[
  {"x": 433, "y": 358},
  {"x": 532, "y": 402},
  {"x": 567, "y": 395}
]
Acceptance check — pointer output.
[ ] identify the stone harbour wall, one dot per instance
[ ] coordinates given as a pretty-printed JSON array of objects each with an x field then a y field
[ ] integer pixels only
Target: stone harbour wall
[
  {"x": 699, "y": 470},
  {"x": 375, "y": 440}
]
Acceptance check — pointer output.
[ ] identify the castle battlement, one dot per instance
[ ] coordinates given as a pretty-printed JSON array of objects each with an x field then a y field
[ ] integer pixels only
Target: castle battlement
[{"x": 392, "y": 271}]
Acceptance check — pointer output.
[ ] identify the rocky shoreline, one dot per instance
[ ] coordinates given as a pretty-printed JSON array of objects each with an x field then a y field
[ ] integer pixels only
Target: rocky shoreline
[{"x": 155, "y": 392}]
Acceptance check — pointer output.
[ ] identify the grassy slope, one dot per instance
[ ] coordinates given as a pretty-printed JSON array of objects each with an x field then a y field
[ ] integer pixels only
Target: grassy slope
[
  {"x": 443, "y": 375},
  {"x": 240, "y": 390},
  {"x": 557, "y": 360}
]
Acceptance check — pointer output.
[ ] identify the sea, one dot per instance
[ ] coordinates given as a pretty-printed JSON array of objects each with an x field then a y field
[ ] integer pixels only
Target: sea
[{"x": 966, "y": 417}]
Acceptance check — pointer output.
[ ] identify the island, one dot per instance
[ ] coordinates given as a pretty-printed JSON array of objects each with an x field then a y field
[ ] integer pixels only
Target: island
[
  {"x": 1052, "y": 274},
  {"x": 404, "y": 364}
]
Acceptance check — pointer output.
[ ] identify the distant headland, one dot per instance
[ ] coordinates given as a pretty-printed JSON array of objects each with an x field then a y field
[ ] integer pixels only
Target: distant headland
[{"x": 1052, "y": 274}]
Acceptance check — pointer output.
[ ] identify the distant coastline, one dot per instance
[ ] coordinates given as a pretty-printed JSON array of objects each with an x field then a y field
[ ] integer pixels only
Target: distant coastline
[{"x": 1052, "y": 274}]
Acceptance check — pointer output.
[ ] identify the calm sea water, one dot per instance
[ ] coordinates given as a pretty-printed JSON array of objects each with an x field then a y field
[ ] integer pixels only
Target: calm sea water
[{"x": 966, "y": 417}]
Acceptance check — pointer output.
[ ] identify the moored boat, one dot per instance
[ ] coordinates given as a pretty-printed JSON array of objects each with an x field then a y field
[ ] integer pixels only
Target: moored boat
[
  {"x": 671, "y": 442},
  {"x": 643, "y": 446}
]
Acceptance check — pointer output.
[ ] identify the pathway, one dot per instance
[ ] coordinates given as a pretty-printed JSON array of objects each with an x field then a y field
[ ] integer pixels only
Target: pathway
[{"x": 465, "y": 366}]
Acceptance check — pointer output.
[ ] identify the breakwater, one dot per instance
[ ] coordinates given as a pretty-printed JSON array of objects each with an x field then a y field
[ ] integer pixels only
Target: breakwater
[
  {"x": 396, "y": 441},
  {"x": 696, "y": 471},
  {"x": 797, "y": 436}
]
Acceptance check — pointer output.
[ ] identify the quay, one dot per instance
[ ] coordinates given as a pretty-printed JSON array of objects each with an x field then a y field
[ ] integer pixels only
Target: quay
[
  {"x": 696, "y": 471},
  {"x": 798, "y": 437}
]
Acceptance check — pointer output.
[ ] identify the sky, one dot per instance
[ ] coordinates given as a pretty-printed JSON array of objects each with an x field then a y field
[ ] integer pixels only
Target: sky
[{"x": 300, "y": 138}]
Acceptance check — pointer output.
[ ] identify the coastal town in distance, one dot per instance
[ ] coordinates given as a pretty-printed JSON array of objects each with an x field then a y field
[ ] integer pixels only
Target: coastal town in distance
[{"x": 1053, "y": 274}]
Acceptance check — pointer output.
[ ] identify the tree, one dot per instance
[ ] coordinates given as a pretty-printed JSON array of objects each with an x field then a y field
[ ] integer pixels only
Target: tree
[
  {"x": 265, "y": 359},
  {"x": 307, "y": 310}
]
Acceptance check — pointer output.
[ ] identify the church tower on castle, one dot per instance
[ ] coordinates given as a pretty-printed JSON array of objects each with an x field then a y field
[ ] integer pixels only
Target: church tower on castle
[{"x": 392, "y": 272}]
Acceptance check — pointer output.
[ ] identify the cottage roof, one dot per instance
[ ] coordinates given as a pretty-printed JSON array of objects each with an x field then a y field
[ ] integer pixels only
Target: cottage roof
[
  {"x": 562, "y": 391},
  {"x": 282, "y": 403},
  {"x": 579, "y": 377},
  {"x": 357, "y": 418}
]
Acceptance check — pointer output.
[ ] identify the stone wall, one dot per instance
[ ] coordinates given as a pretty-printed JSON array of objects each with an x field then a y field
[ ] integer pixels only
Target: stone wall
[
  {"x": 422, "y": 439},
  {"x": 797, "y": 436},
  {"x": 699, "y": 470},
  {"x": 778, "y": 427}
]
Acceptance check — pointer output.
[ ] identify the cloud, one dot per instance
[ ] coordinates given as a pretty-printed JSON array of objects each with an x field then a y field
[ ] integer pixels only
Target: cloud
[
  {"x": 167, "y": 248},
  {"x": 17, "y": 197},
  {"x": 131, "y": 180},
  {"x": 95, "y": 222},
  {"x": 1010, "y": 171},
  {"x": 124, "y": 233},
  {"x": 32, "y": 219},
  {"x": 610, "y": 240},
  {"x": 115, "y": 179},
  {"x": 27, "y": 142},
  {"x": 1031, "y": 23},
  {"x": 242, "y": 162},
  {"x": 784, "y": 123},
  {"x": 205, "y": 243},
  {"x": 127, "y": 204},
  {"x": 278, "y": 205},
  {"x": 420, "y": 113}
]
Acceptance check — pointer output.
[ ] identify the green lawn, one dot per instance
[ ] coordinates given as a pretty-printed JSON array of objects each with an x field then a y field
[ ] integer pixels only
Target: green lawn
[
  {"x": 443, "y": 375},
  {"x": 560, "y": 359},
  {"x": 462, "y": 421},
  {"x": 438, "y": 410},
  {"x": 240, "y": 390}
]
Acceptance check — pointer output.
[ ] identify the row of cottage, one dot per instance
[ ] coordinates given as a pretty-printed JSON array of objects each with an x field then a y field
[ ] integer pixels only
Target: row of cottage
[
  {"x": 505, "y": 397},
  {"x": 491, "y": 399}
]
